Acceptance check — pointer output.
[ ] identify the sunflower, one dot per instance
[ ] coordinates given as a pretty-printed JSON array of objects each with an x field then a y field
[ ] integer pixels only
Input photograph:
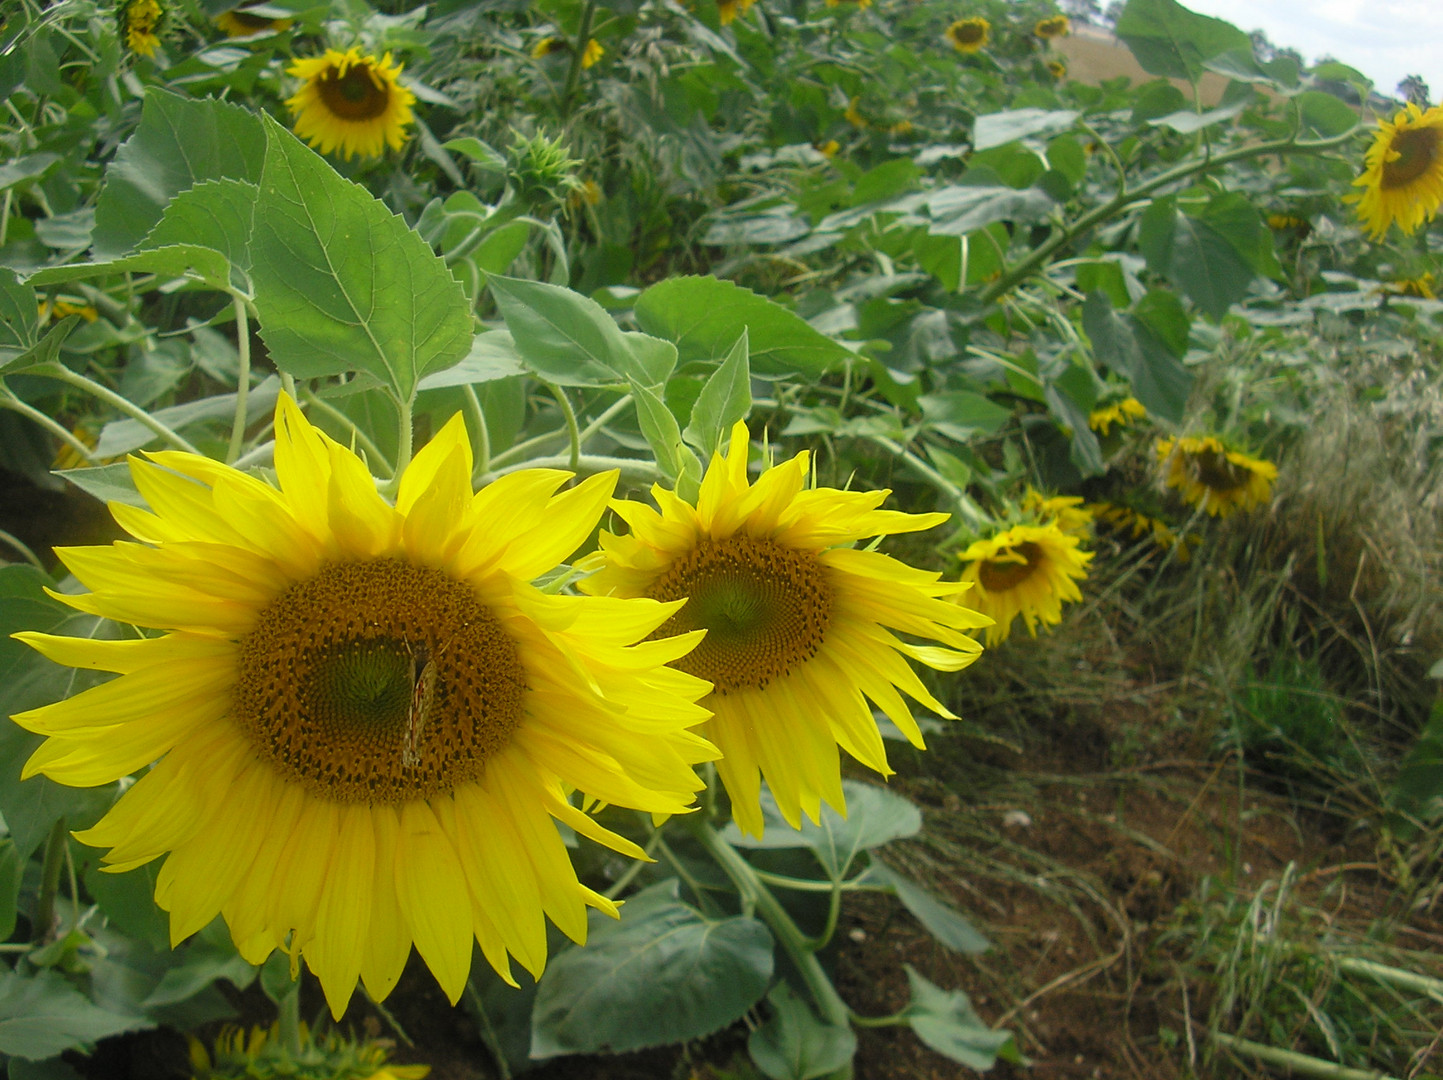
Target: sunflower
[
  {"x": 728, "y": 10},
  {"x": 1213, "y": 478},
  {"x": 1421, "y": 287},
  {"x": 1055, "y": 26},
  {"x": 239, "y": 22},
  {"x": 827, "y": 149},
  {"x": 363, "y": 715},
  {"x": 1066, "y": 511},
  {"x": 592, "y": 53},
  {"x": 799, "y": 623},
  {"x": 1402, "y": 177},
  {"x": 546, "y": 46},
  {"x": 1122, "y": 413},
  {"x": 969, "y": 35},
  {"x": 1027, "y": 570},
  {"x": 1124, "y": 519},
  {"x": 853, "y": 117},
  {"x": 350, "y": 102},
  {"x": 263, "y": 1053},
  {"x": 141, "y": 24},
  {"x": 1057, "y": 69}
]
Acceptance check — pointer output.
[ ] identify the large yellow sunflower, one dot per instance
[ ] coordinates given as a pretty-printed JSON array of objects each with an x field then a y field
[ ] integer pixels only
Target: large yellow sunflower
[
  {"x": 1027, "y": 570},
  {"x": 1402, "y": 177},
  {"x": 350, "y": 102},
  {"x": 363, "y": 715},
  {"x": 1213, "y": 478},
  {"x": 799, "y": 622},
  {"x": 969, "y": 35}
]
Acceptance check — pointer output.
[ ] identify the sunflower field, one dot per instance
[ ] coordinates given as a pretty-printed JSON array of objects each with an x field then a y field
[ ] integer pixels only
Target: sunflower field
[{"x": 714, "y": 539}]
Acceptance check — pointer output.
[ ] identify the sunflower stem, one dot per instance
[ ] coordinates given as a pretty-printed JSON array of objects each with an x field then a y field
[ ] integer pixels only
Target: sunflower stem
[
  {"x": 50, "y": 868},
  {"x": 798, "y": 947},
  {"x": 403, "y": 441},
  {"x": 243, "y": 379},
  {"x": 573, "y": 433},
  {"x": 578, "y": 54},
  {"x": 483, "y": 432},
  {"x": 120, "y": 404},
  {"x": 1125, "y": 198},
  {"x": 13, "y": 541},
  {"x": 288, "y": 1018}
]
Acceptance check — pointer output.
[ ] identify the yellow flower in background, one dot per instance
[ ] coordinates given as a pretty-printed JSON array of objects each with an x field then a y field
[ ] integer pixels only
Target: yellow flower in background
[
  {"x": 728, "y": 10},
  {"x": 1139, "y": 525},
  {"x": 1057, "y": 69},
  {"x": 141, "y": 23},
  {"x": 853, "y": 117},
  {"x": 1421, "y": 287},
  {"x": 1213, "y": 478},
  {"x": 240, "y": 22},
  {"x": 901, "y": 127},
  {"x": 969, "y": 35},
  {"x": 592, "y": 53},
  {"x": 364, "y": 716},
  {"x": 64, "y": 308},
  {"x": 1055, "y": 26},
  {"x": 828, "y": 148},
  {"x": 1065, "y": 511},
  {"x": 1027, "y": 570},
  {"x": 1289, "y": 223},
  {"x": 546, "y": 46},
  {"x": 1402, "y": 177},
  {"x": 800, "y": 643},
  {"x": 1122, "y": 413},
  {"x": 351, "y": 102}
]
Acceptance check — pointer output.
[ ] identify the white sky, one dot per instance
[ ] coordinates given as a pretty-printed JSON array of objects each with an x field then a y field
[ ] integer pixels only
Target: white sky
[{"x": 1384, "y": 39}]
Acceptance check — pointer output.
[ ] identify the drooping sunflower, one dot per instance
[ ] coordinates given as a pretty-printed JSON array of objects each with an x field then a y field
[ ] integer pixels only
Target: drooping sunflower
[
  {"x": 1026, "y": 570},
  {"x": 1402, "y": 178},
  {"x": 141, "y": 24},
  {"x": 1122, "y": 413},
  {"x": 363, "y": 716},
  {"x": 1138, "y": 525},
  {"x": 1213, "y": 478},
  {"x": 969, "y": 35},
  {"x": 546, "y": 46},
  {"x": 1054, "y": 26},
  {"x": 351, "y": 102},
  {"x": 241, "y": 22},
  {"x": 1066, "y": 511},
  {"x": 1057, "y": 69},
  {"x": 800, "y": 643}
]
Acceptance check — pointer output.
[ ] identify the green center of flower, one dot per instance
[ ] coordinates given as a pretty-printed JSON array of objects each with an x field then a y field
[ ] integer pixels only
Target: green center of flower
[
  {"x": 1216, "y": 473},
  {"x": 765, "y": 609},
  {"x": 1417, "y": 150},
  {"x": 1000, "y": 575},
  {"x": 379, "y": 682},
  {"x": 356, "y": 95}
]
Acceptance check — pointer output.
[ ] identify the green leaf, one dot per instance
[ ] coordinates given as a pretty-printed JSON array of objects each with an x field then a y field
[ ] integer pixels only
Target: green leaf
[
  {"x": 1195, "y": 257},
  {"x": 964, "y": 208},
  {"x": 207, "y": 958},
  {"x": 180, "y": 142},
  {"x": 128, "y": 902},
  {"x": 27, "y": 681},
  {"x": 492, "y": 356},
  {"x": 564, "y": 337},
  {"x": 794, "y": 1045},
  {"x": 11, "y": 871},
  {"x": 49, "y": 1069},
  {"x": 1188, "y": 121},
  {"x": 479, "y": 152},
  {"x": 999, "y": 129},
  {"x": 653, "y": 358},
  {"x": 946, "y": 1021},
  {"x": 725, "y": 398},
  {"x": 962, "y": 415},
  {"x": 663, "y": 974},
  {"x": 341, "y": 283},
  {"x": 663, "y": 435},
  {"x": 124, "y": 435},
  {"x": 21, "y": 169},
  {"x": 215, "y": 214},
  {"x": 202, "y": 264},
  {"x": 1325, "y": 114},
  {"x": 107, "y": 483},
  {"x": 1134, "y": 349},
  {"x": 19, "y": 318},
  {"x": 940, "y": 919},
  {"x": 704, "y": 317},
  {"x": 1167, "y": 39},
  {"x": 875, "y": 816},
  {"x": 1236, "y": 218},
  {"x": 42, "y": 1015}
]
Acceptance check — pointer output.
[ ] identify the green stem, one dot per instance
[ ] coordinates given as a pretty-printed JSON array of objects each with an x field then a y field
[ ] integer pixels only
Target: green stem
[
  {"x": 578, "y": 54},
  {"x": 11, "y": 540},
  {"x": 1125, "y": 198},
  {"x": 115, "y": 401},
  {"x": 573, "y": 433},
  {"x": 289, "y": 1019},
  {"x": 966, "y": 508},
  {"x": 522, "y": 449},
  {"x": 483, "y": 432},
  {"x": 403, "y": 439},
  {"x": 243, "y": 379},
  {"x": 782, "y": 881},
  {"x": 8, "y": 400},
  {"x": 1291, "y": 1059},
  {"x": 829, "y": 1003},
  {"x": 50, "y": 868}
]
